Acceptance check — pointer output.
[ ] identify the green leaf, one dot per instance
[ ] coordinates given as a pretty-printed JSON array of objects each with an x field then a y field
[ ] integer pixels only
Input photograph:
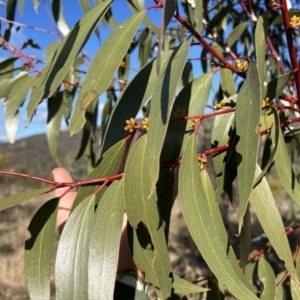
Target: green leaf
[
  {"x": 21, "y": 197},
  {"x": 135, "y": 7},
  {"x": 130, "y": 102},
  {"x": 161, "y": 105},
  {"x": 227, "y": 82},
  {"x": 10, "y": 16},
  {"x": 221, "y": 134},
  {"x": 245, "y": 238},
  {"x": 103, "y": 68},
  {"x": 236, "y": 33},
  {"x": 16, "y": 98},
  {"x": 217, "y": 19},
  {"x": 195, "y": 206},
  {"x": 104, "y": 243},
  {"x": 71, "y": 266},
  {"x": 38, "y": 250},
  {"x": 182, "y": 286},
  {"x": 55, "y": 114},
  {"x": 248, "y": 109},
  {"x": 65, "y": 54},
  {"x": 190, "y": 101},
  {"x": 108, "y": 165},
  {"x": 285, "y": 170},
  {"x": 267, "y": 278},
  {"x": 199, "y": 14},
  {"x": 274, "y": 140},
  {"x": 269, "y": 217},
  {"x": 142, "y": 208},
  {"x": 59, "y": 18},
  {"x": 276, "y": 86},
  {"x": 260, "y": 47},
  {"x": 295, "y": 289}
]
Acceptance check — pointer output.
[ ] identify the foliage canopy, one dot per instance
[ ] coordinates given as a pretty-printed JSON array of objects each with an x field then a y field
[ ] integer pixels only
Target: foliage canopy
[{"x": 246, "y": 55}]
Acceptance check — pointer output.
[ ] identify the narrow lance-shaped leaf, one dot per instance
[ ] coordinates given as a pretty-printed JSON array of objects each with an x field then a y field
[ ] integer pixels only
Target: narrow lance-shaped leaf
[
  {"x": 236, "y": 33},
  {"x": 140, "y": 208},
  {"x": 103, "y": 67},
  {"x": 65, "y": 54},
  {"x": 59, "y": 18},
  {"x": 190, "y": 101},
  {"x": 260, "y": 47},
  {"x": 168, "y": 11},
  {"x": 71, "y": 267},
  {"x": 267, "y": 278},
  {"x": 276, "y": 86},
  {"x": 181, "y": 286},
  {"x": 21, "y": 197},
  {"x": 108, "y": 165},
  {"x": 269, "y": 217},
  {"x": 130, "y": 102},
  {"x": 161, "y": 105},
  {"x": 38, "y": 250},
  {"x": 275, "y": 137},
  {"x": 16, "y": 98},
  {"x": 135, "y": 7},
  {"x": 285, "y": 170},
  {"x": 104, "y": 243},
  {"x": 194, "y": 205},
  {"x": 55, "y": 114},
  {"x": 248, "y": 109}
]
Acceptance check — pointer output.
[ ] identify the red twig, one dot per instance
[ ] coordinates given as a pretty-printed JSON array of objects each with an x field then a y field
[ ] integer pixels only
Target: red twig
[{"x": 291, "y": 46}]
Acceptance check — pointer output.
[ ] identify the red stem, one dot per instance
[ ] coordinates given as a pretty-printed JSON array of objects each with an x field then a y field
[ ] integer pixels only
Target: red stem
[{"x": 291, "y": 46}]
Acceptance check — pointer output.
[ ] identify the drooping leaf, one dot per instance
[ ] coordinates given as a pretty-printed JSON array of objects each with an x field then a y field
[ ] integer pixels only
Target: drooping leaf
[
  {"x": 260, "y": 47},
  {"x": 16, "y": 98},
  {"x": 21, "y": 197},
  {"x": 276, "y": 86},
  {"x": 59, "y": 18},
  {"x": 55, "y": 114},
  {"x": 275, "y": 137},
  {"x": 269, "y": 217},
  {"x": 161, "y": 105},
  {"x": 285, "y": 170},
  {"x": 245, "y": 238},
  {"x": 202, "y": 227},
  {"x": 218, "y": 17},
  {"x": 267, "y": 278},
  {"x": 38, "y": 250},
  {"x": 104, "y": 243},
  {"x": 130, "y": 102},
  {"x": 295, "y": 289},
  {"x": 71, "y": 266},
  {"x": 134, "y": 5},
  {"x": 199, "y": 14},
  {"x": 227, "y": 82},
  {"x": 65, "y": 54},
  {"x": 221, "y": 134},
  {"x": 248, "y": 109},
  {"x": 10, "y": 16},
  {"x": 168, "y": 11},
  {"x": 141, "y": 208},
  {"x": 108, "y": 165},
  {"x": 182, "y": 286},
  {"x": 236, "y": 33},
  {"x": 88, "y": 135},
  {"x": 103, "y": 68},
  {"x": 190, "y": 101}
]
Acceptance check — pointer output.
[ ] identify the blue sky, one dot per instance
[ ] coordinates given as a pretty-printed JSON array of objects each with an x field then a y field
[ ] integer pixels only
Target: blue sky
[{"x": 43, "y": 19}]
